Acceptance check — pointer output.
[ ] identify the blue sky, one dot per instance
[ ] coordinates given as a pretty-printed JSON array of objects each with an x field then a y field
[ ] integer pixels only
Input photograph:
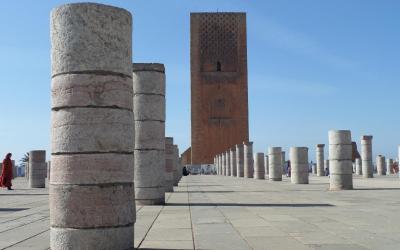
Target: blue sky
[{"x": 313, "y": 66}]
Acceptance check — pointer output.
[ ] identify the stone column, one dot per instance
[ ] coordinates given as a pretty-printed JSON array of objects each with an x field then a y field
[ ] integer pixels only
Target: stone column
[
  {"x": 91, "y": 188},
  {"x": 380, "y": 165},
  {"x": 27, "y": 170},
  {"x": 248, "y": 159},
  {"x": 223, "y": 163},
  {"x": 320, "y": 159},
  {"x": 169, "y": 164},
  {"x": 240, "y": 160},
  {"x": 366, "y": 156},
  {"x": 37, "y": 173},
  {"x": 219, "y": 164},
  {"x": 259, "y": 169},
  {"x": 266, "y": 166},
  {"x": 176, "y": 165},
  {"x": 275, "y": 163},
  {"x": 228, "y": 162},
  {"x": 389, "y": 166},
  {"x": 358, "y": 166},
  {"x": 233, "y": 162},
  {"x": 283, "y": 162},
  {"x": 299, "y": 165},
  {"x": 340, "y": 160},
  {"x": 149, "y": 114},
  {"x": 326, "y": 165}
]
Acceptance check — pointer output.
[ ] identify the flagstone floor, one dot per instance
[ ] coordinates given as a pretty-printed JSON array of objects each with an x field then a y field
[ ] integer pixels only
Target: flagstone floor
[{"x": 215, "y": 212}]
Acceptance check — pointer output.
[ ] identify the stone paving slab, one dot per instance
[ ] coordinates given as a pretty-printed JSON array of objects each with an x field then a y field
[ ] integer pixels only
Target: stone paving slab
[{"x": 215, "y": 212}]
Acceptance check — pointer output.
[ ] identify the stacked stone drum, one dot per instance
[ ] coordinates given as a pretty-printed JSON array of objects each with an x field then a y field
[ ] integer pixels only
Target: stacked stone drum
[
  {"x": 91, "y": 186},
  {"x": 299, "y": 165},
  {"x": 266, "y": 166},
  {"x": 389, "y": 166},
  {"x": 358, "y": 166},
  {"x": 380, "y": 165},
  {"x": 259, "y": 170},
  {"x": 340, "y": 160},
  {"x": 149, "y": 113},
  {"x": 233, "y": 162},
  {"x": 240, "y": 160},
  {"x": 248, "y": 159},
  {"x": 169, "y": 164},
  {"x": 366, "y": 156},
  {"x": 228, "y": 162},
  {"x": 38, "y": 169},
  {"x": 320, "y": 159},
  {"x": 275, "y": 163}
]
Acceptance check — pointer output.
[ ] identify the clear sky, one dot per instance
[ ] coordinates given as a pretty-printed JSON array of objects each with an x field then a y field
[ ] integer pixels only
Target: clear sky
[{"x": 313, "y": 66}]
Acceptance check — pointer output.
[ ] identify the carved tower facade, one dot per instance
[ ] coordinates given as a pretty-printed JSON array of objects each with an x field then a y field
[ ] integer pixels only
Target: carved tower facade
[{"x": 219, "y": 96}]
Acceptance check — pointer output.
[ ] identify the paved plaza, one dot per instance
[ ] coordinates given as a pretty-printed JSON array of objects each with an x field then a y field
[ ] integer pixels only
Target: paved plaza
[{"x": 216, "y": 212}]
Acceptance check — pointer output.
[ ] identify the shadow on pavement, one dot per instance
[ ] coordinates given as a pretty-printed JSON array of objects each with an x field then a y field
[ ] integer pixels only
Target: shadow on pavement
[{"x": 12, "y": 209}]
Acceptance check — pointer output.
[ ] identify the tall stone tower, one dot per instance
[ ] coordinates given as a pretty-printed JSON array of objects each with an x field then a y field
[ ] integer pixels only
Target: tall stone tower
[{"x": 218, "y": 61}]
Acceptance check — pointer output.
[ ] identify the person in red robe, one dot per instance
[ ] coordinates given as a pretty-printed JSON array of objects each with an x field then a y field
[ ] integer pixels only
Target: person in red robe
[{"x": 7, "y": 172}]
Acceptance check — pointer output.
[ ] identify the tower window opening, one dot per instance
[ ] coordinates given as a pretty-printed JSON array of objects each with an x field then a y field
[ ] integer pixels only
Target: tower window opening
[{"x": 218, "y": 66}]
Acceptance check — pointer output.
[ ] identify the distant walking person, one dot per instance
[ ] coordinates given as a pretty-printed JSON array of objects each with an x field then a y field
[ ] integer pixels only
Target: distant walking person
[{"x": 7, "y": 172}]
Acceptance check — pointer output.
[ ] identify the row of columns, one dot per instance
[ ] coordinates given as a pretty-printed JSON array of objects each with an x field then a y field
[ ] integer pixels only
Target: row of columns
[{"x": 339, "y": 165}]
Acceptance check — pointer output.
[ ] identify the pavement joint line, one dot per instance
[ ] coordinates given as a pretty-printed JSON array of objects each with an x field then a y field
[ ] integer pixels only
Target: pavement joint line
[
  {"x": 43, "y": 218},
  {"x": 144, "y": 237},
  {"x": 24, "y": 216},
  {"x": 190, "y": 213},
  {"x": 234, "y": 228},
  {"x": 26, "y": 239}
]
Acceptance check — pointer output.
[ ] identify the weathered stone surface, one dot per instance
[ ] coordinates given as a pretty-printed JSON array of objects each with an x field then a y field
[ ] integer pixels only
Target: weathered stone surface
[
  {"x": 92, "y": 130},
  {"x": 96, "y": 238},
  {"x": 91, "y": 67},
  {"x": 169, "y": 164},
  {"x": 259, "y": 170},
  {"x": 233, "y": 162},
  {"x": 340, "y": 163},
  {"x": 81, "y": 90},
  {"x": 228, "y": 162},
  {"x": 153, "y": 74},
  {"x": 389, "y": 166},
  {"x": 91, "y": 168},
  {"x": 275, "y": 163},
  {"x": 239, "y": 160},
  {"x": 149, "y": 107},
  {"x": 150, "y": 132},
  {"x": 320, "y": 159},
  {"x": 248, "y": 159},
  {"x": 91, "y": 37},
  {"x": 38, "y": 168},
  {"x": 149, "y": 113},
  {"x": 340, "y": 152},
  {"x": 152, "y": 174},
  {"x": 358, "y": 166},
  {"x": 342, "y": 137},
  {"x": 366, "y": 156},
  {"x": 266, "y": 166},
  {"x": 380, "y": 165},
  {"x": 223, "y": 157},
  {"x": 77, "y": 206},
  {"x": 299, "y": 165}
]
